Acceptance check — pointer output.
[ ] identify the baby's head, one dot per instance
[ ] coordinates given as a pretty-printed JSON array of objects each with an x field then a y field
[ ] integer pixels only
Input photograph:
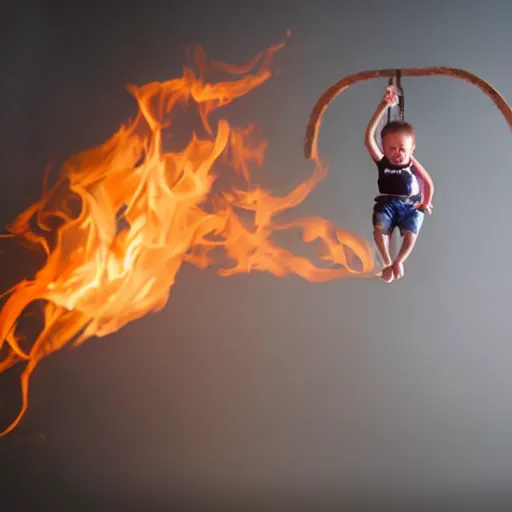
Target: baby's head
[{"x": 398, "y": 142}]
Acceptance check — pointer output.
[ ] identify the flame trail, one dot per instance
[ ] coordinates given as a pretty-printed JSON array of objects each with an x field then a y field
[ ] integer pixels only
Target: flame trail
[{"x": 144, "y": 211}]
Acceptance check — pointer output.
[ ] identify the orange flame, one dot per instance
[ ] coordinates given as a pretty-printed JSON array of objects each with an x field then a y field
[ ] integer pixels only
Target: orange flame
[{"x": 144, "y": 211}]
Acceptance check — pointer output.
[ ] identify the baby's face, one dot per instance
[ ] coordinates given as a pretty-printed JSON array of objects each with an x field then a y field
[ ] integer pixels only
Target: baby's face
[{"x": 398, "y": 147}]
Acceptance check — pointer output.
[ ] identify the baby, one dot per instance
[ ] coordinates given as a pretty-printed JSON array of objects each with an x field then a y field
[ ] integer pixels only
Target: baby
[{"x": 405, "y": 187}]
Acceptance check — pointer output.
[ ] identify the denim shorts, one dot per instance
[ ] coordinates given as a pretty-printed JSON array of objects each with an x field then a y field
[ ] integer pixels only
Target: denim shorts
[{"x": 390, "y": 212}]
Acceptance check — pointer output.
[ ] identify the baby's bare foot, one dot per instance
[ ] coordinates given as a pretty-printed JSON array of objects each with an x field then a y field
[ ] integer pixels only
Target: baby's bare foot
[
  {"x": 398, "y": 270},
  {"x": 387, "y": 274}
]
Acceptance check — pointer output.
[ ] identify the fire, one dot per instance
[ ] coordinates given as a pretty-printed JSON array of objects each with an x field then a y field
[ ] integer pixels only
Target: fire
[{"x": 123, "y": 217}]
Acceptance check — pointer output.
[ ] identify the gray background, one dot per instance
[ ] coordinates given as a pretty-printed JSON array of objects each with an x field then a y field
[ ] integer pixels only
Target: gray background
[{"x": 255, "y": 384}]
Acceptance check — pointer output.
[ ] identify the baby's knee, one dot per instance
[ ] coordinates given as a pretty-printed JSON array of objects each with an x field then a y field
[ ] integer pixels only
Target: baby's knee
[
  {"x": 380, "y": 227},
  {"x": 409, "y": 234}
]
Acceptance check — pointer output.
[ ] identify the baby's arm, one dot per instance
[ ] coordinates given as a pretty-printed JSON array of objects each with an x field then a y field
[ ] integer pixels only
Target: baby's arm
[
  {"x": 390, "y": 99},
  {"x": 369, "y": 137},
  {"x": 427, "y": 185}
]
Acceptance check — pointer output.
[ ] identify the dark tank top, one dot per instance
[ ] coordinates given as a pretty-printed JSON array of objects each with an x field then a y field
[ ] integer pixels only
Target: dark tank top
[{"x": 397, "y": 180}]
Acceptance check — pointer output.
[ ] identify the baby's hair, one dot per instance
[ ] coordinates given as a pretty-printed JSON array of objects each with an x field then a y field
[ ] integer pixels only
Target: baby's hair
[{"x": 398, "y": 127}]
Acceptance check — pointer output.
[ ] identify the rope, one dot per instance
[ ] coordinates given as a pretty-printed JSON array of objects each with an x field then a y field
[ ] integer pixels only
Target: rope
[
  {"x": 396, "y": 81},
  {"x": 401, "y": 97}
]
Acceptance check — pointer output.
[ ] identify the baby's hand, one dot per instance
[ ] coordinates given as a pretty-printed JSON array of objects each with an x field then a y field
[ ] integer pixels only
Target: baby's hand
[
  {"x": 391, "y": 96},
  {"x": 424, "y": 206}
]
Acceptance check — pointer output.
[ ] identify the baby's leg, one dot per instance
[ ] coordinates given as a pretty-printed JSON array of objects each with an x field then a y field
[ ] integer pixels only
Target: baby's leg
[
  {"x": 410, "y": 227},
  {"x": 382, "y": 227},
  {"x": 382, "y": 242},
  {"x": 408, "y": 243}
]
